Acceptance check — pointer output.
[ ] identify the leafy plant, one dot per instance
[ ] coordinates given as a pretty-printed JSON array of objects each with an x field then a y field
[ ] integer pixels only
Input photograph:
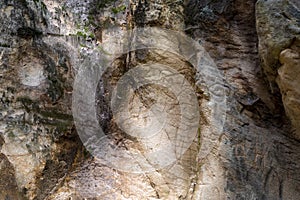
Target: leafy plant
[
  {"x": 81, "y": 34},
  {"x": 92, "y": 36},
  {"x": 85, "y": 35}
]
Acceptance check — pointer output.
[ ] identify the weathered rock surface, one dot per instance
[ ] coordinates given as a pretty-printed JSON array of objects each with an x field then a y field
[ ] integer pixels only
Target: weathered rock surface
[
  {"x": 288, "y": 81},
  {"x": 278, "y": 27},
  {"x": 42, "y": 46},
  {"x": 255, "y": 117},
  {"x": 40, "y": 143}
]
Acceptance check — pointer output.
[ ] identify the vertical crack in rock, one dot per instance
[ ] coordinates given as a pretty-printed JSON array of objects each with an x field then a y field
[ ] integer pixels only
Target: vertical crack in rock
[{"x": 175, "y": 180}]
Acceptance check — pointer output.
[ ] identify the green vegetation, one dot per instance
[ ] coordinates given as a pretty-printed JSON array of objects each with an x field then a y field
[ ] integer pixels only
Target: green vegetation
[
  {"x": 92, "y": 36},
  {"x": 91, "y": 21},
  {"x": 116, "y": 10},
  {"x": 63, "y": 8},
  {"x": 86, "y": 29},
  {"x": 81, "y": 34},
  {"x": 85, "y": 35}
]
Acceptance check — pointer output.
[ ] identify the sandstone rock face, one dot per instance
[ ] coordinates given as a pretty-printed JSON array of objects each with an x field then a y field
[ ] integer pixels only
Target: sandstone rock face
[
  {"x": 277, "y": 26},
  {"x": 288, "y": 81},
  {"x": 278, "y": 30},
  {"x": 46, "y": 44},
  {"x": 227, "y": 30}
]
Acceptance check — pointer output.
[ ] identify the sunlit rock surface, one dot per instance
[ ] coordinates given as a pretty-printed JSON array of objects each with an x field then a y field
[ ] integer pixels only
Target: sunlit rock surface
[
  {"x": 288, "y": 81},
  {"x": 255, "y": 45},
  {"x": 279, "y": 34}
]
